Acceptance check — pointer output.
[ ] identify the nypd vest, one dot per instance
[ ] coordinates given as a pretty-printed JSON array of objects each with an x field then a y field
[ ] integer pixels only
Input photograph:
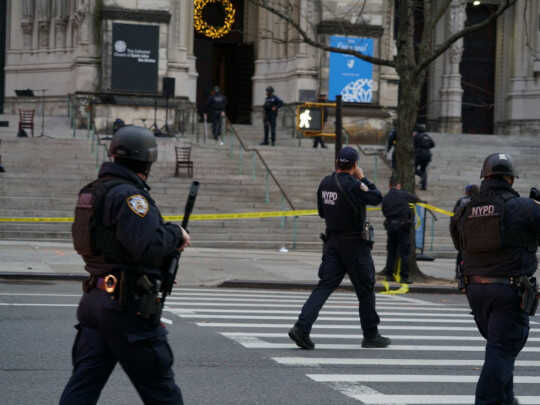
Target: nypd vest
[
  {"x": 94, "y": 241},
  {"x": 338, "y": 212},
  {"x": 488, "y": 248}
]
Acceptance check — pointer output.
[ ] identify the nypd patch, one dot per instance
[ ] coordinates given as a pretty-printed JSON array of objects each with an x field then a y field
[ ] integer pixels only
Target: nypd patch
[{"x": 138, "y": 204}]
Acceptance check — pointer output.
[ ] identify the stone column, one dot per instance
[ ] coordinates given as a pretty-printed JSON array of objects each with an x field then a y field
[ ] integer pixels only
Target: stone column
[
  {"x": 451, "y": 90},
  {"x": 60, "y": 13},
  {"x": 27, "y": 22},
  {"x": 43, "y": 12}
]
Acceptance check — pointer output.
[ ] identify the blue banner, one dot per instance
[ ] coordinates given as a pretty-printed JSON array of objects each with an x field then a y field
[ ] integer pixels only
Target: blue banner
[
  {"x": 349, "y": 76},
  {"x": 419, "y": 226}
]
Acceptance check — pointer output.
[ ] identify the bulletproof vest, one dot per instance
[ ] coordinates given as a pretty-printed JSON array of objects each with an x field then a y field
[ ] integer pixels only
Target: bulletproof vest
[
  {"x": 424, "y": 141},
  {"x": 93, "y": 240},
  {"x": 218, "y": 102},
  {"x": 488, "y": 248},
  {"x": 339, "y": 214},
  {"x": 269, "y": 103}
]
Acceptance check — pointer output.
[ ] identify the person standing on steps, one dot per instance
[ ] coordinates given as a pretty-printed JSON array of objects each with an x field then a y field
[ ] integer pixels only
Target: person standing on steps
[
  {"x": 272, "y": 104},
  {"x": 341, "y": 200},
  {"x": 319, "y": 139},
  {"x": 215, "y": 111}
]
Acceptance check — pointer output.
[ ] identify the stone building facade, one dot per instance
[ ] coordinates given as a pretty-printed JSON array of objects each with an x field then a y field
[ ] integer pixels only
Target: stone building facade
[{"x": 66, "y": 47}]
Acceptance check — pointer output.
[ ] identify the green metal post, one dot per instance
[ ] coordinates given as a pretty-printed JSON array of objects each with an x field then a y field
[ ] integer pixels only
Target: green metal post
[
  {"x": 267, "y": 187},
  {"x": 294, "y": 233},
  {"x": 89, "y": 118},
  {"x": 241, "y": 161},
  {"x": 432, "y": 233},
  {"x": 231, "y": 149},
  {"x": 375, "y": 164},
  {"x": 74, "y": 125},
  {"x": 283, "y": 219},
  {"x": 254, "y": 170}
]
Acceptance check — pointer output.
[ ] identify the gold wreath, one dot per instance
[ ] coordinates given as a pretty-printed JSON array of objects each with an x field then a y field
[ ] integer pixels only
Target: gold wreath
[{"x": 210, "y": 31}]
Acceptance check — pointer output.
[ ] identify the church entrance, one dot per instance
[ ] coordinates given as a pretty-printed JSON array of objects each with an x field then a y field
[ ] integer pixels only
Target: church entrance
[
  {"x": 478, "y": 72},
  {"x": 226, "y": 62}
]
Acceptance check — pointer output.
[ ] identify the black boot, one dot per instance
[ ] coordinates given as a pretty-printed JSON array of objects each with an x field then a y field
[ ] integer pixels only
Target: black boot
[
  {"x": 301, "y": 338},
  {"x": 378, "y": 341}
]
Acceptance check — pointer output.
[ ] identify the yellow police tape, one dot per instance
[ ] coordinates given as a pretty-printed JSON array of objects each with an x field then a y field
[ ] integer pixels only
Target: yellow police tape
[
  {"x": 403, "y": 289},
  {"x": 214, "y": 217}
]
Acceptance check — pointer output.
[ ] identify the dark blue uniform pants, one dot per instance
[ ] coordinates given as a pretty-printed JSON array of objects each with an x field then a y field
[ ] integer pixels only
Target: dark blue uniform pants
[
  {"x": 505, "y": 326},
  {"x": 398, "y": 242},
  {"x": 107, "y": 336},
  {"x": 270, "y": 126},
  {"x": 420, "y": 169},
  {"x": 344, "y": 255},
  {"x": 216, "y": 126}
]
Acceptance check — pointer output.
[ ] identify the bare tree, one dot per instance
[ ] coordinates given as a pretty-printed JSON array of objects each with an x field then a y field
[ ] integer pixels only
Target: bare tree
[{"x": 416, "y": 23}]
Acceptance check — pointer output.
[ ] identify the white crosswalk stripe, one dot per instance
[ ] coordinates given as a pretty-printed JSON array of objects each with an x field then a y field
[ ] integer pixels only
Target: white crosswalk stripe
[{"x": 436, "y": 343}]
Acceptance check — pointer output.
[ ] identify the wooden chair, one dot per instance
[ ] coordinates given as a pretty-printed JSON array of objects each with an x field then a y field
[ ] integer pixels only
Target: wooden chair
[
  {"x": 183, "y": 160},
  {"x": 26, "y": 120}
]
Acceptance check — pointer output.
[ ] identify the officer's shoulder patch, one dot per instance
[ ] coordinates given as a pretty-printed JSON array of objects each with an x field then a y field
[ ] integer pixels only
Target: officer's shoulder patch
[{"x": 138, "y": 204}]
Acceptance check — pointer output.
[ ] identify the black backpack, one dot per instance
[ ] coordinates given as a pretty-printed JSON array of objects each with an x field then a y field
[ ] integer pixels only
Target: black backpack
[{"x": 424, "y": 141}]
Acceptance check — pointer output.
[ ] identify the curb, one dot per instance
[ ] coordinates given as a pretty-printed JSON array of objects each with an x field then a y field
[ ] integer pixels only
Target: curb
[
  {"x": 43, "y": 276},
  {"x": 283, "y": 285},
  {"x": 303, "y": 285}
]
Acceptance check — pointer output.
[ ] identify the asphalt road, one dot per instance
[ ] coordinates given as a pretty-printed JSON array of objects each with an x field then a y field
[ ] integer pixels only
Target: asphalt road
[{"x": 231, "y": 347}]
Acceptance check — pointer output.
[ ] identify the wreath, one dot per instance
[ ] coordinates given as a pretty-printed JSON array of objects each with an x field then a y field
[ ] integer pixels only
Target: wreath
[{"x": 211, "y": 31}]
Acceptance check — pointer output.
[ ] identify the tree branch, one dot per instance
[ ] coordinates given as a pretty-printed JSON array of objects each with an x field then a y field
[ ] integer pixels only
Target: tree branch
[
  {"x": 442, "y": 12},
  {"x": 458, "y": 35},
  {"x": 310, "y": 41}
]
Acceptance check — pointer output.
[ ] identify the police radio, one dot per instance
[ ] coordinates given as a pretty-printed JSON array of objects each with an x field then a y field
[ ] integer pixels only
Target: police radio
[{"x": 170, "y": 276}]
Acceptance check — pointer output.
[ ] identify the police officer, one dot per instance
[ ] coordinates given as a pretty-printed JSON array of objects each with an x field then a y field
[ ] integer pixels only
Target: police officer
[
  {"x": 399, "y": 219},
  {"x": 423, "y": 144},
  {"x": 272, "y": 104},
  {"x": 341, "y": 199},
  {"x": 498, "y": 233},
  {"x": 215, "y": 110},
  {"x": 392, "y": 139},
  {"x": 125, "y": 244}
]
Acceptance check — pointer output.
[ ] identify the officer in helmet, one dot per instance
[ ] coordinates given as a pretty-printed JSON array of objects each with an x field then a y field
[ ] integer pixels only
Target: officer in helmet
[
  {"x": 272, "y": 104},
  {"x": 125, "y": 244},
  {"x": 497, "y": 233},
  {"x": 341, "y": 199},
  {"x": 423, "y": 143}
]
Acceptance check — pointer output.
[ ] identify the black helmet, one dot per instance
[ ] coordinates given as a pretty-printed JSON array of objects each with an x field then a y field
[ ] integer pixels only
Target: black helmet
[
  {"x": 498, "y": 164},
  {"x": 270, "y": 89},
  {"x": 134, "y": 143},
  {"x": 418, "y": 127}
]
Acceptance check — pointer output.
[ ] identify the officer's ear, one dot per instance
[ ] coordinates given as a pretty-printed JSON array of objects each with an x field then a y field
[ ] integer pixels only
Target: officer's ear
[{"x": 509, "y": 179}]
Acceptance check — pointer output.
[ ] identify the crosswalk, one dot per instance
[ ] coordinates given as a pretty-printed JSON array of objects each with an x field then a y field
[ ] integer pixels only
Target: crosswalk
[{"x": 435, "y": 356}]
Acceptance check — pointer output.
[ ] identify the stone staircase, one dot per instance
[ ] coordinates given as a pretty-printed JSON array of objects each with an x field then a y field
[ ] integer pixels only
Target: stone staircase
[{"x": 44, "y": 175}]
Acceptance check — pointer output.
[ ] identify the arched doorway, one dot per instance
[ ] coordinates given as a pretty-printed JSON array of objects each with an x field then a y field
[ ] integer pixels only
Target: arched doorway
[{"x": 227, "y": 62}]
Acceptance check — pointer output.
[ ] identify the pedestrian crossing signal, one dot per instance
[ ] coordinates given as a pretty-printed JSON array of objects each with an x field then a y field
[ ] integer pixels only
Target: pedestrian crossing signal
[{"x": 309, "y": 118}]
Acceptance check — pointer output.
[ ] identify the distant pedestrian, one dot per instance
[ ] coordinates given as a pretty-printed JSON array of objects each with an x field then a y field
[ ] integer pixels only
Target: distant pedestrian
[
  {"x": 272, "y": 104},
  {"x": 319, "y": 139},
  {"x": 391, "y": 147},
  {"x": 215, "y": 111},
  {"x": 399, "y": 219},
  {"x": 423, "y": 143}
]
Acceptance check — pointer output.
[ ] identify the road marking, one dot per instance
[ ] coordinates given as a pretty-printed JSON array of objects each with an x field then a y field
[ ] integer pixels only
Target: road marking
[
  {"x": 323, "y": 312},
  {"x": 326, "y": 306},
  {"x": 256, "y": 343},
  {"x": 8, "y": 304},
  {"x": 286, "y": 326},
  {"x": 321, "y": 318},
  {"x": 416, "y": 378},
  {"x": 326, "y": 361},
  {"x": 359, "y": 336}
]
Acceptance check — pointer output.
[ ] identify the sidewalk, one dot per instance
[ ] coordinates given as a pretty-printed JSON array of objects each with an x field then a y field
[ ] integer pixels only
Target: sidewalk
[{"x": 206, "y": 267}]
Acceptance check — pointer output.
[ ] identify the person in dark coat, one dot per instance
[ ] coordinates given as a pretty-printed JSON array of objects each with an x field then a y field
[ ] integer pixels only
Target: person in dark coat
[
  {"x": 498, "y": 232},
  {"x": 341, "y": 200},
  {"x": 423, "y": 143},
  {"x": 272, "y": 104},
  {"x": 399, "y": 221},
  {"x": 126, "y": 246},
  {"x": 215, "y": 111}
]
